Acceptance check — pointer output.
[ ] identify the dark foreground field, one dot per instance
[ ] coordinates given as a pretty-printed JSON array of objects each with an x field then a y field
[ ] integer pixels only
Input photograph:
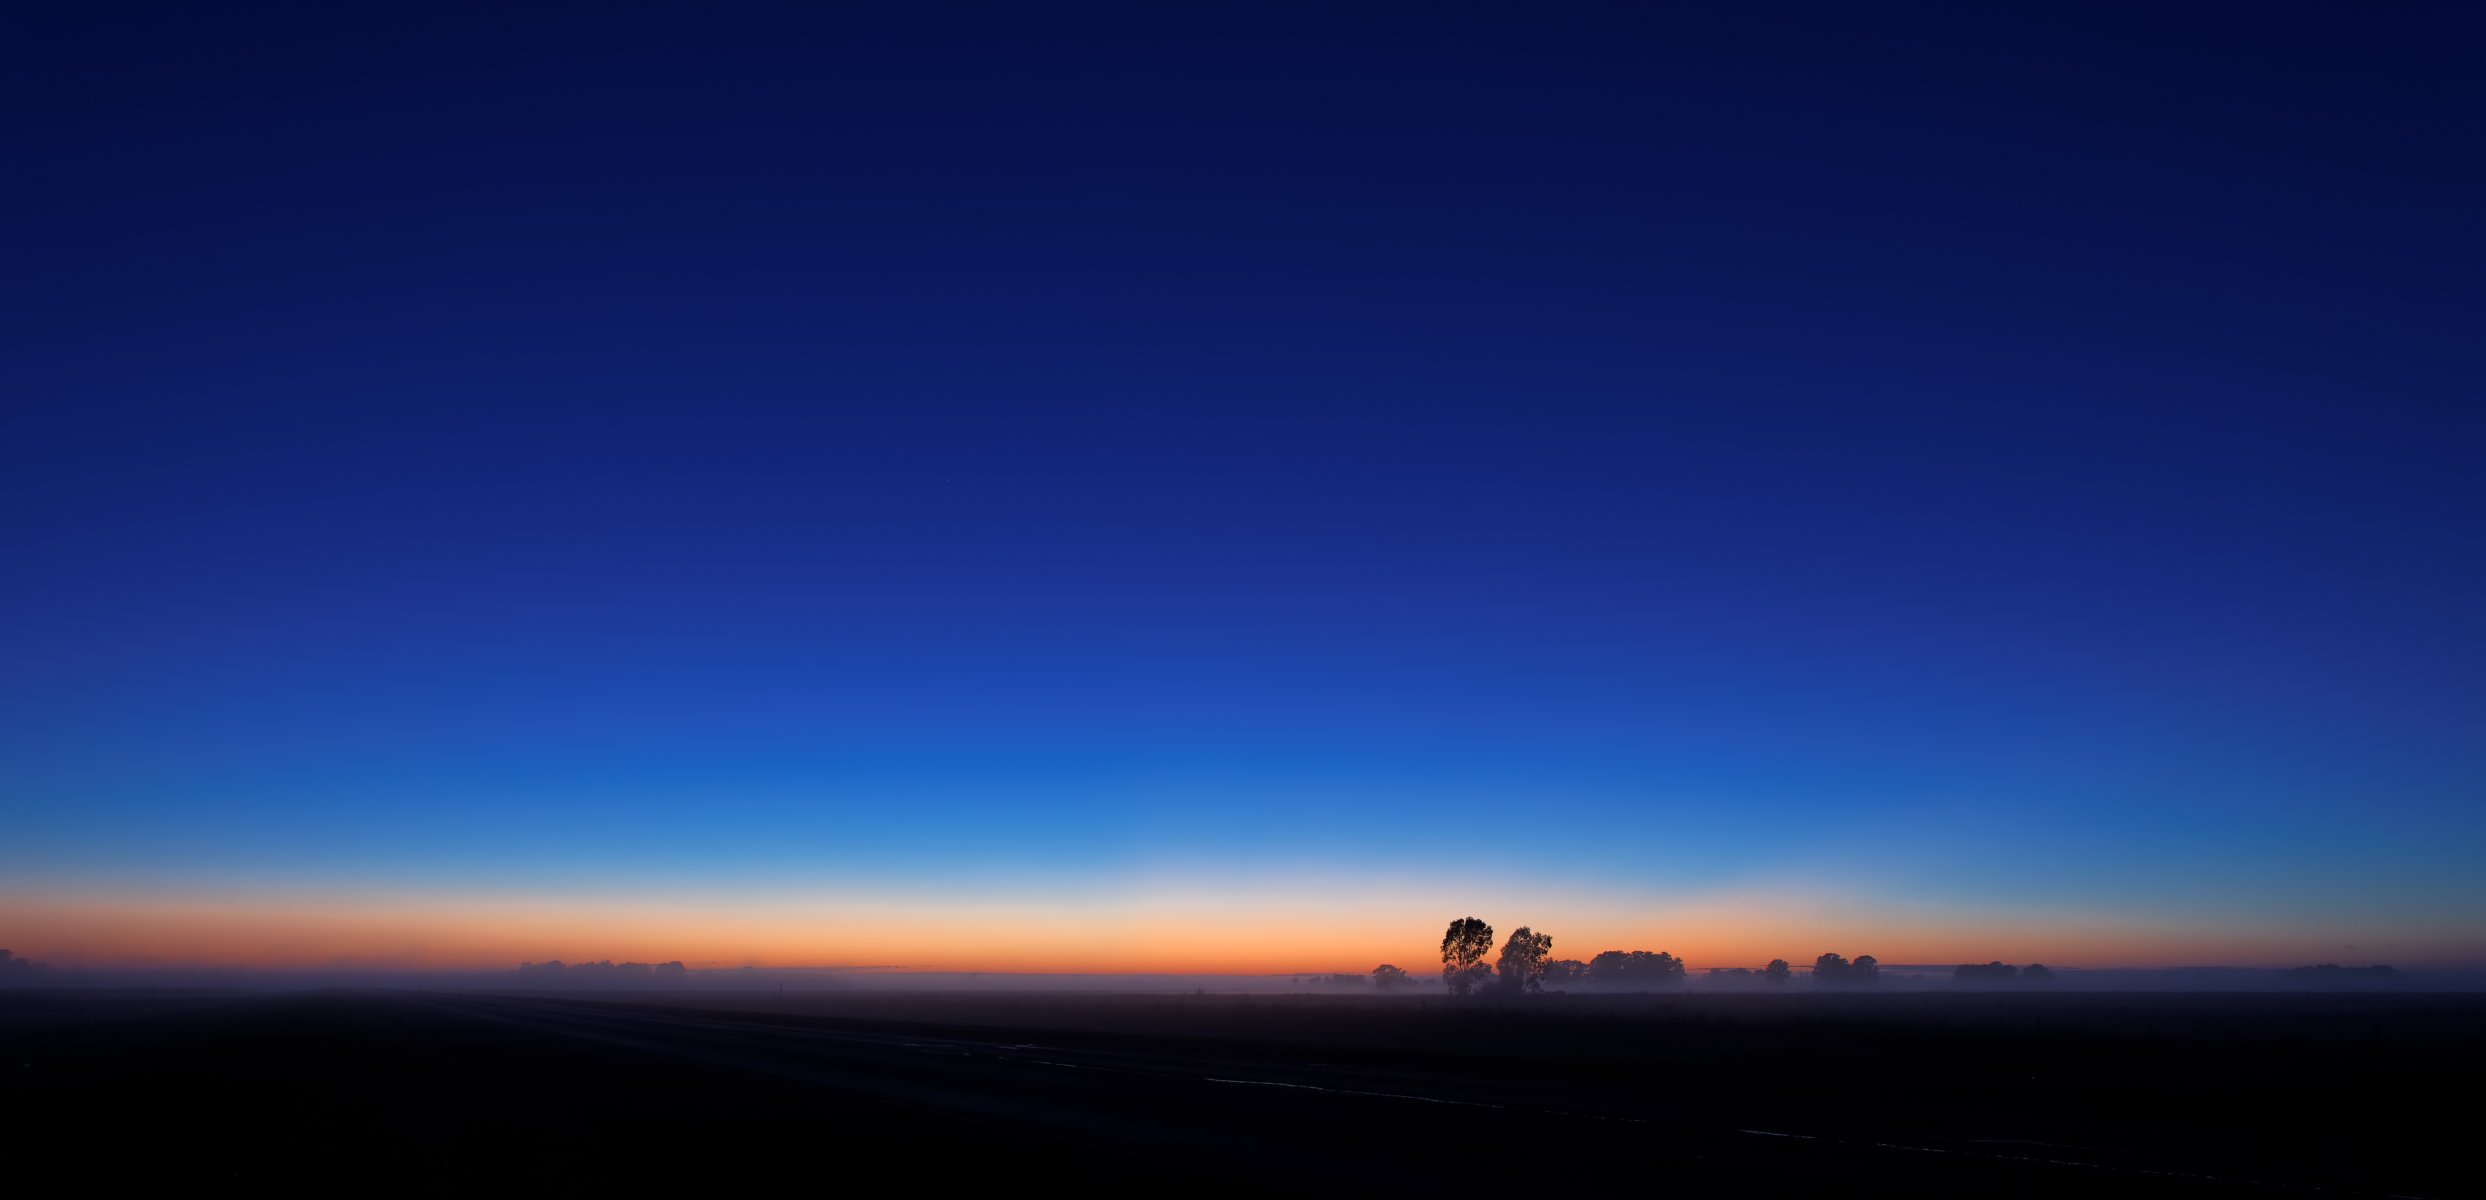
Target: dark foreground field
[{"x": 1999, "y": 1095}]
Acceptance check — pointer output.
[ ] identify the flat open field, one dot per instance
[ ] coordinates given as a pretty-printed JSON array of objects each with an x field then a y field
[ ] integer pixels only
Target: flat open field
[{"x": 1942, "y": 1094}]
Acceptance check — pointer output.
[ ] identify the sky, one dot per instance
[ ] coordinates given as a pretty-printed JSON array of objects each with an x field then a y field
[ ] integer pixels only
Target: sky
[{"x": 1075, "y": 488}]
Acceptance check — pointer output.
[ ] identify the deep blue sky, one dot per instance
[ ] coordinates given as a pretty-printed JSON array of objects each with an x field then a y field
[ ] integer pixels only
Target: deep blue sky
[{"x": 1599, "y": 458}]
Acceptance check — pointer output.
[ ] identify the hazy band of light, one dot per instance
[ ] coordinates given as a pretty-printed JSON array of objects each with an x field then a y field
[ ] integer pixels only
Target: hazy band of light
[{"x": 1208, "y": 930}]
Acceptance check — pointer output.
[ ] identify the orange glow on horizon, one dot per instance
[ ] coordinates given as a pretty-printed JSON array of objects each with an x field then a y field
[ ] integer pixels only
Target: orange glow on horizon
[{"x": 1169, "y": 936}]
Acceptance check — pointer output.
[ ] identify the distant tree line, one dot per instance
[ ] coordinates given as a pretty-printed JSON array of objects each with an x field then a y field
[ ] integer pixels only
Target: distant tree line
[
  {"x": 1836, "y": 970},
  {"x": 2330, "y": 973},
  {"x": 1776, "y": 973},
  {"x": 2001, "y": 972},
  {"x": 18, "y": 970},
  {"x": 1526, "y": 965},
  {"x": 1632, "y": 970},
  {"x": 603, "y": 973}
]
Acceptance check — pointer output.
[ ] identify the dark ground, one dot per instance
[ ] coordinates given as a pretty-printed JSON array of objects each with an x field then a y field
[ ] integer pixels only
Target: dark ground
[{"x": 1925, "y": 1094}]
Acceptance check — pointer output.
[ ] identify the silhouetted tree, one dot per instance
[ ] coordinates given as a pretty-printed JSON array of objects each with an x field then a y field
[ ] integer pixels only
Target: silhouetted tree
[
  {"x": 1463, "y": 952},
  {"x": 1523, "y": 960},
  {"x": 2036, "y": 973},
  {"x": 1993, "y": 972},
  {"x": 18, "y": 970},
  {"x": 1777, "y": 971},
  {"x": 1866, "y": 969},
  {"x": 1564, "y": 972},
  {"x": 1386, "y": 977}
]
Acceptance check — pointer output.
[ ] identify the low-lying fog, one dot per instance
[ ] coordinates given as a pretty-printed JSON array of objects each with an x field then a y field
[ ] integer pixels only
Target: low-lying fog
[{"x": 1894, "y": 978}]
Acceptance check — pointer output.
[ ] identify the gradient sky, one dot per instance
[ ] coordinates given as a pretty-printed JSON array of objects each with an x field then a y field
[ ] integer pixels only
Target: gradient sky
[{"x": 1159, "y": 489}]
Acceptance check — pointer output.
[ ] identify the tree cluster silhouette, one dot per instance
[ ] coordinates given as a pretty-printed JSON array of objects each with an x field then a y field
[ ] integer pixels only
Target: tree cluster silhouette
[
  {"x": 2333, "y": 973},
  {"x": 1526, "y": 964},
  {"x": 602, "y": 973},
  {"x": 1634, "y": 970},
  {"x": 18, "y": 970},
  {"x": 2001, "y": 972}
]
